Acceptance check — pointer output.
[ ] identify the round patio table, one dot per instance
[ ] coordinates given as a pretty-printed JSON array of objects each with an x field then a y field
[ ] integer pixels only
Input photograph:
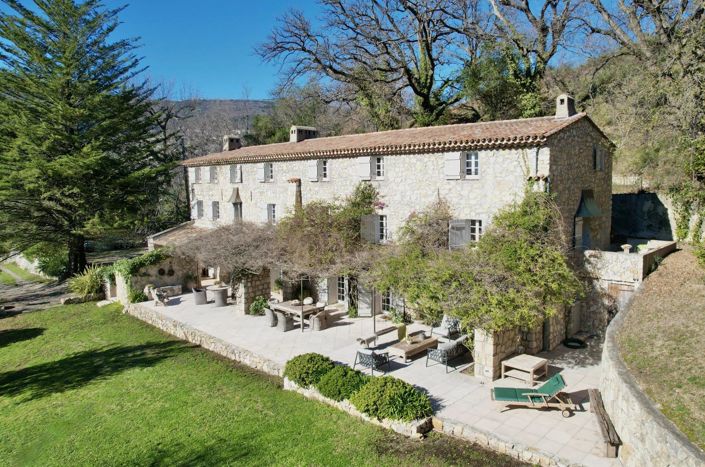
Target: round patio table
[{"x": 220, "y": 294}]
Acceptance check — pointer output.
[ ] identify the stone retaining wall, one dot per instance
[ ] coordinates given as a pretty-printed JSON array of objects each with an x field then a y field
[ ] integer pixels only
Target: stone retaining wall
[
  {"x": 415, "y": 429},
  {"x": 490, "y": 441},
  {"x": 648, "y": 437},
  {"x": 219, "y": 346},
  {"x": 490, "y": 349}
]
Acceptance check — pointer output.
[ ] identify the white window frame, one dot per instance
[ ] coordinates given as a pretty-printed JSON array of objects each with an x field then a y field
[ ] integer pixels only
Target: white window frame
[
  {"x": 378, "y": 169},
  {"x": 199, "y": 209},
  {"x": 323, "y": 170},
  {"x": 471, "y": 165},
  {"x": 340, "y": 289},
  {"x": 387, "y": 301},
  {"x": 475, "y": 226},
  {"x": 269, "y": 172},
  {"x": 382, "y": 229},
  {"x": 272, "y": 213}
]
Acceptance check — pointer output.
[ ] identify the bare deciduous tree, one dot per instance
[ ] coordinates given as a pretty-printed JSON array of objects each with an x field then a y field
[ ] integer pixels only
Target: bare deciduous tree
[{"x": 403, "y": 44}]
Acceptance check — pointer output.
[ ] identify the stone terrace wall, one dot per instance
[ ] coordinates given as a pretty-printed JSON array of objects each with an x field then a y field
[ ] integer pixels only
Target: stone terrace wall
[
  {"x": 648, "y": 437},
  {"x": 251, "y": 288},
  {"x": 490, "y": 349}
]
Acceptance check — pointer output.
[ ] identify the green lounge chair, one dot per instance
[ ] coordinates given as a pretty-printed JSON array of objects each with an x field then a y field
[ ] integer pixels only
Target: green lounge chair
[{"x": 548, "y": 395}]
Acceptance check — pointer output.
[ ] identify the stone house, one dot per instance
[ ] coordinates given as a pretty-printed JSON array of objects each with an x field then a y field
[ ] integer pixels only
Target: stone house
[{"x": 478, "y": 168}]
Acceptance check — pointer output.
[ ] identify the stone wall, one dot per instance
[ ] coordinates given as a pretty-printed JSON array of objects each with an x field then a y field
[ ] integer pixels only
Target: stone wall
[
  {"x": 250, "y": 288},
  {"x": 184, "y": 331},
  {"x": 572, "y": 172},
  {"x": 490, "y": 349},
  {"x": 411, "y": 183},
  {"x": 648, "y": 437},
  {"x": 535, "y": 340},
  {"x": 171, "y": 271}
]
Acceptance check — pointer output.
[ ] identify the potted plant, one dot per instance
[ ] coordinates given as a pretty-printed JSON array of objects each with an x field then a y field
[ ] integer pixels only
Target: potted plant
[
  {"x": 258, "y": 305},
  {"x": 400, "y": 320},
  {"x": 190, "y": 280},
  {"x": 199, "y": 296}
]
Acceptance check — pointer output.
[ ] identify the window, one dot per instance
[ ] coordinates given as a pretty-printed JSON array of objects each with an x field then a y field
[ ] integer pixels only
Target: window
[
  {"x": 214, "y": 174},
  {"x": 199, "y": 209},
  {"x": 379, "y": 167},
  {"x": 215, "y": 210},
  {"x": 272, "y": 213},
  {"x": 269, "y": 172},
  {"x": 472, "y": 164},
  {"x": 341, "y": 288},
  {"x": 598, "y": 158},
  {"x": 382, "y": 232},
  {"x": 237, "y": 211},
  {"x": 387, "y": 301},
  {"x": 324, "y": 169},
  {"x": 235, "y": 174},
  {"x": 475, "y": 229},
  {"x": 197, "y": 175}
]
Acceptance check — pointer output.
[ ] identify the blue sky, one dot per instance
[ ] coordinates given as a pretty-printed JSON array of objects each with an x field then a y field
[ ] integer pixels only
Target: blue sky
[{"x": 206, "y": 46}]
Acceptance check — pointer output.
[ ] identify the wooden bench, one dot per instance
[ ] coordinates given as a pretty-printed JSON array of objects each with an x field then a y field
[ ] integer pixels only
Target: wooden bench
[
  {"x": 609, "y": 434},
  {"x": 366, "y": 341}
]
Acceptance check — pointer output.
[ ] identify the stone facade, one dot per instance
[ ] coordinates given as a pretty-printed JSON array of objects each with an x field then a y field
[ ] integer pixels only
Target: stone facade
[
  {"x": 648, "y": 437},
  {"x": 572, "y": 172}
]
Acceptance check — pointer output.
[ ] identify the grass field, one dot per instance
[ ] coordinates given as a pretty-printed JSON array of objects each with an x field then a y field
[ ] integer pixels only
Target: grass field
[
  {"x": 81, "y": 385},
  {"x": 24, "y": 275},
  {"x": 663, "y": 338},
  {"x": 6, "y": 279}
]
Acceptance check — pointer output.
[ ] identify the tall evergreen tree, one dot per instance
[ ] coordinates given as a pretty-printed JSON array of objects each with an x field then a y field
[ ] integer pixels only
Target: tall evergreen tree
[{"x": 77, "y": 127}]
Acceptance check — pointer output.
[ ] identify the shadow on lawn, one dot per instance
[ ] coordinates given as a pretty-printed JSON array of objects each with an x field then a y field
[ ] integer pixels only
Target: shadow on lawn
[
  {"x": 81, "y": 368},
  {"x": 10, "y": 336}
]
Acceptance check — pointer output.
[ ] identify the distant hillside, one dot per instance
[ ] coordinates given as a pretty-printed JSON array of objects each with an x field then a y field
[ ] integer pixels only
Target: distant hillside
[{"x": 204, "y": 122}]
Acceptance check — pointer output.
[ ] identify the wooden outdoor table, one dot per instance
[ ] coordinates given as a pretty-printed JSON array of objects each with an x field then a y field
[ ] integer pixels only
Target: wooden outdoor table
[
  {"x": 525, "y": 367},
  {"x": 301, "y": 310},
  {"x": 407, "y": 350}
]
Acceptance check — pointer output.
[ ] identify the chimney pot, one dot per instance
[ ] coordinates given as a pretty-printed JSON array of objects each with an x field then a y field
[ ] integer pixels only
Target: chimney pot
[
  {"x": 565, "y": 106},
  {"x": 300, "y": 133},
  {"x": 231, "y": 142}
]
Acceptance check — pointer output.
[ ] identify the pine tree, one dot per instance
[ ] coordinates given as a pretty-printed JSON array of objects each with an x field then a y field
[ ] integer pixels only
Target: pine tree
[{"x": 77, "y": 127}]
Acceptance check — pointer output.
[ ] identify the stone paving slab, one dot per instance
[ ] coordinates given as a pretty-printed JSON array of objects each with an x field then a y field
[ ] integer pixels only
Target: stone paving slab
[{"x": 462, "y": 403}]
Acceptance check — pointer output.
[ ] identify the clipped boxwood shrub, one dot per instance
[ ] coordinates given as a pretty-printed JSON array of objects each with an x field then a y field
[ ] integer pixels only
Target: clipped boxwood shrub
[
  {"x": 341, "y": 382},
  {"x": 308, "y": 369},
  {"x": 392, "y": 398}
]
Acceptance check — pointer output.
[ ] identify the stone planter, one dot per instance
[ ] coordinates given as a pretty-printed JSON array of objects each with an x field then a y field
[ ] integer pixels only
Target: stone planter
[
  {"x": 220, "y": 296},
  {"x": 199, "y": 296},
  {"x": 415, "y": 429}
]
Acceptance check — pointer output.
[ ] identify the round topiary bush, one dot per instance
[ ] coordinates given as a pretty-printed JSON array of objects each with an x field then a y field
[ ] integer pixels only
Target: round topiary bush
[
  {"x": 341, "y": 382},
  {"x": 391, "y": 398},
  {"x": 308, "y": 369}
]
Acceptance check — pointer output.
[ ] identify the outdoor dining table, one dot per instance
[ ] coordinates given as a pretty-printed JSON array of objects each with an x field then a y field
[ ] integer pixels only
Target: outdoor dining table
[
  {"x": 301, "y": 310},
  {"x": 220, "y": 294}
]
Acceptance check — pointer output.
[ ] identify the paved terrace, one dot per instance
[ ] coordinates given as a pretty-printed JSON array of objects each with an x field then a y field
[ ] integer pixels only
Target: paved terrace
[{"x": 458, "y": 398}]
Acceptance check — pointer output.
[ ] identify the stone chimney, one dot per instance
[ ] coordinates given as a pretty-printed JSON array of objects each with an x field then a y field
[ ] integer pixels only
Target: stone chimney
[
  {"x": 565, "y": 106},
  {"x": 231, "y": 142},
  {"x": 300, "y": 133}
]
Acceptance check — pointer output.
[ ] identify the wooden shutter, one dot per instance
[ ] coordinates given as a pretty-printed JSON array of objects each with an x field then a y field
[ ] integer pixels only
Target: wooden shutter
[
  {"x": 458, "y": 233},
  {"x": 364, "y": 168},
  {"x": 261, "y": 172},
  {"x": 369, "y": 227},
  {"x": 312, "y": 170},
  {"x": 452, "y": 165}
]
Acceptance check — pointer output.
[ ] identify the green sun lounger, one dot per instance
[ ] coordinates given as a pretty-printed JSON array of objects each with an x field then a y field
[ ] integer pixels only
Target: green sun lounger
[{"x": 548, "y": 395}]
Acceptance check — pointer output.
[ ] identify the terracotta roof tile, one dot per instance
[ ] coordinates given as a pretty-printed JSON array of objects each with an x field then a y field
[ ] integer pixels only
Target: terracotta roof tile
[{"x": 484, "y": 135}]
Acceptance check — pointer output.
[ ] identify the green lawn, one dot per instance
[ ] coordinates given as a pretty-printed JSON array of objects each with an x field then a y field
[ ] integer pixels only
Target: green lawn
[
  {"x": 24, "y": 275},
  {"x": 6, "y": 279},
  {"x": 81, "y": 385}
]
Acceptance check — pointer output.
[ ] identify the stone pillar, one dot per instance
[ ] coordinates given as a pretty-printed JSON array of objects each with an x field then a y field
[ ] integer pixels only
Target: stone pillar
[
  {"x": 251, "y": 287},
  {"x": 490, "y": 349}
]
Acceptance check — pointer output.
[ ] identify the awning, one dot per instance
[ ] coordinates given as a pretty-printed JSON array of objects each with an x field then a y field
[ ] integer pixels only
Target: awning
[
  {"x": 234, "y": 196},
  {"x": 588, "y": 206}
]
